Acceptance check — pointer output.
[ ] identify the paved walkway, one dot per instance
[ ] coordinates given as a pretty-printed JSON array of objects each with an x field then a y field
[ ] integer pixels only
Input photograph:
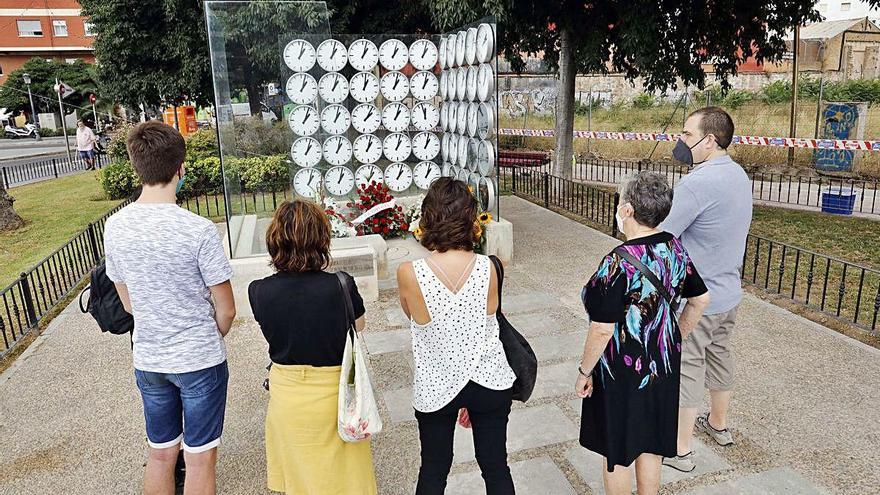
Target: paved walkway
[{"x": 805, "y": 410}]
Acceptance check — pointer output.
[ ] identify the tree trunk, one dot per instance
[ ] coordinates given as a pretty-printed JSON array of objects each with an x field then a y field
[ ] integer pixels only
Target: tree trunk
[
  {"x": 9, "y": 219},
  {"x": 565, "y": 105}
]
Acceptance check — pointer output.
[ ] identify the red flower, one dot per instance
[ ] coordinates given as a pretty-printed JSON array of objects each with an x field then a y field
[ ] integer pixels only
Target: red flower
[
  {"x": 404, "y": 226},
  {"x": 376, "y": 229},
  {"x": 386, "y": 230}
]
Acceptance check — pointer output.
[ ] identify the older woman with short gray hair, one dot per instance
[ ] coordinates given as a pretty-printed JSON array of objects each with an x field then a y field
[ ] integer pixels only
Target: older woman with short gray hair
[{"x": 629, "y": 372}]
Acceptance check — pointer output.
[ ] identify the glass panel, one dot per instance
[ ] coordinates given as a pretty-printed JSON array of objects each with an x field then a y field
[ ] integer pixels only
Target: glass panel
[
  {"x": 60, "y": 27},
  {"x": 29, "y": 28}
]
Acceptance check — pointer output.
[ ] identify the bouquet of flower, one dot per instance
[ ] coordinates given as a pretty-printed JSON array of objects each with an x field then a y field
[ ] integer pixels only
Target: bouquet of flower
[
  {"x": 339, "y": 226},
  {"x": 483, "y": 221},
  {"x": 388, "y": 223}
]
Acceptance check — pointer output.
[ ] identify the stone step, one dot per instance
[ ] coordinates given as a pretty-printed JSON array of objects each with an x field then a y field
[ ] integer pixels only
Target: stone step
[{"x": 538, "y": 475}]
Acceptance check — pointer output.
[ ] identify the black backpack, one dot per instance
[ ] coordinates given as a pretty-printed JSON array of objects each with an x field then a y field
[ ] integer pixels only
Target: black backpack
[{"x": 104, "y": 304}]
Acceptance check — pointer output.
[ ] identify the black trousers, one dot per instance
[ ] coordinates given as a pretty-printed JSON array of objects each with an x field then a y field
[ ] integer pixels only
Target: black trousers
[{"x": 488, "y": 410}]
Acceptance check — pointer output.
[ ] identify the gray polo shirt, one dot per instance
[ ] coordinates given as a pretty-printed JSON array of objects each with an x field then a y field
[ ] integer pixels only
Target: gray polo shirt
[{"x": 711, "y": 214}]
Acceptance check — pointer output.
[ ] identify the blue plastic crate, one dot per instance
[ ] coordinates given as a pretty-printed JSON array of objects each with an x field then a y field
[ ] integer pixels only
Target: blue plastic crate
[{"x": 838, "y": 200}]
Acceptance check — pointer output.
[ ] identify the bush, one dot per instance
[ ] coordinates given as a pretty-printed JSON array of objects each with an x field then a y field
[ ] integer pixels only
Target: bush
[
  {"x": 736, "y": 98},
  {"x": 643, "y": 100},
  {"x": 116, "y": 149},
  {"x": 776, "y": 92},
  {"x": 259, "y": 172},
  {"x": 201, "y": 176},
  {"x": 118, "y": 179},
  {"x": 201, "y": 144},
  {"x": 255, "y": 137}
]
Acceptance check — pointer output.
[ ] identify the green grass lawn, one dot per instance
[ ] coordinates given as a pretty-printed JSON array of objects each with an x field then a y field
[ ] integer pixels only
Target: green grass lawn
[
  {"x": 55, "y": 210},
  {"x": 852, "y": 239}
]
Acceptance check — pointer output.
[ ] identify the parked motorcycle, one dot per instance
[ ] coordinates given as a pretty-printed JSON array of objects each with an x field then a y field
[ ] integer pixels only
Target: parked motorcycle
[{"x": 28, "y": 131}]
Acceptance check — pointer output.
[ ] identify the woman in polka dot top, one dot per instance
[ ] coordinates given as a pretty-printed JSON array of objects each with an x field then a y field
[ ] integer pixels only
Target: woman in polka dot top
[{"x": 460, "y": 368}]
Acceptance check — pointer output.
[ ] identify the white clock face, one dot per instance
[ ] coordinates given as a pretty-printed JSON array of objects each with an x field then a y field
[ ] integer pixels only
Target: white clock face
[
  {"x": 472, "y": 119},
  {"x": 367, "y": 174},
  {"x": 425, "y": 173},
  {"x": 398, "y": 177},
  {"x": 337, "y": 150},
  {"x": 485, "y": 42},
  {"x": 364, "y": 87},
  {"x": 452, "y": 118},
  {"x": 333, "y": 87},
  {"x": 462, "y": 152},
  {"x": 463, "y": 175},
  {"x": 450, "y": 84},
  {"x": 485, "y": 82},
  {"x": 425, "y": 116},
  {"x": 393, "y": 54},
  {"x": 395, "y": 117},
  {"x": 470, "y": 46},
  {"x": 460, "y": 41},
  {"x": 363, "y": 54},
  {"x": 485, "y": 120},
  {"x": 306, "y": 152},
  {"x": 472, "y": 152},
  {"x": 299, "y": 55},
  {"x": 452, "y": 156},
  {"x": 461, "y": 83},
  {"x": 304, "y": 121},
  {"x": 332, "y": 55},
  {"x": 426, "y": 146},
  {"x": 423, "y": 54},
  {"x": 366, "y": 118},
  {"x": 301, "y": 88},
  {"x": 335, "y": 119},
  {"x": 444, "y": 117},
  {"x": 471, "y": 92},
  {"x": 444, "y": 75},
  {"x": 339, "y": 181},
  {"x": 367, "y": 148},
  {"x": 441, "y": 53},
  {"x": 307, "y": 182},
  {"x": 396, "y": 147},
  {"x": 424, "y": 85},
  {"x": 448, "y": 170},
  {"x": 450, "y": 51},
  {"x": 395, "y": 86},
  {"x": 461, "y": 113},
  {"x": 485, "y": 158}
]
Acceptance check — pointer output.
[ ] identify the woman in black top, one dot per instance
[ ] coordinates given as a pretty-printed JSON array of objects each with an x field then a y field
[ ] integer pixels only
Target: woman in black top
[{"x": 301, "y": 313}]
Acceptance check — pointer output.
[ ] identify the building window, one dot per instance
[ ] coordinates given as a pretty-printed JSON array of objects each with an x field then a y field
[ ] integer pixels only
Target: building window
[
  {"x": 845, "y": 6},
  {"x": 29, "y": 29},
  {"x": 59, "y": 27},
  {"x": 89, "y": 28}
]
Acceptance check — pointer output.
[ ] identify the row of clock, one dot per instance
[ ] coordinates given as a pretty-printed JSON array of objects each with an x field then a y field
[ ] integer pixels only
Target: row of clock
[
  {"x": 364, "y": 87},
  {"x": 475, "y": 154},
  {"x": 363, "y": 55},
  {"x": 340, "y": 181},
  {"x": 473, "y": 83},
  {"x": 467, "y": 47}
]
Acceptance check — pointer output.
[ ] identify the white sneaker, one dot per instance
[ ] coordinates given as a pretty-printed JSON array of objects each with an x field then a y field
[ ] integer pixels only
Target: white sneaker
[
  {"x": 684, "y": 463},
  {"x": 721, "y": 437}
]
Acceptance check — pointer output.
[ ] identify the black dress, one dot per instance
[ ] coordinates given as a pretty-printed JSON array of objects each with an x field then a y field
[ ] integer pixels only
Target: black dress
[{"x": 634, "y": 406}]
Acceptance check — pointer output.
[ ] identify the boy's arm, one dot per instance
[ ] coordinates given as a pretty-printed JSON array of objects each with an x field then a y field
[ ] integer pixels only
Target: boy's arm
[
  {"x": 224, "y": 306},
  {"x": 122, "y": 290}
]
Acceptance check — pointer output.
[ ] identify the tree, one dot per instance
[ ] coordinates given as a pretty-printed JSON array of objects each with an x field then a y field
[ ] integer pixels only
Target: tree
[
  {"x": 79, "y": 75},
  {"x": 150, "y": 52},
  {"x": 9, "y": 219},
  {"x": 665, "y": 43}
]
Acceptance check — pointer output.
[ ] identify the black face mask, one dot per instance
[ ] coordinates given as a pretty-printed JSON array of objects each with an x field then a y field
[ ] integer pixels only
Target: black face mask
[{"x": 682, "y": 152}]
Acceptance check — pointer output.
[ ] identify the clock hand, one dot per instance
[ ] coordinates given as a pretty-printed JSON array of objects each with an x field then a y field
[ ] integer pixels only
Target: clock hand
[
  {"x": 425, "y": 83},
  {"x": 399, "y": 173},
  {"x": 335, "y": 83},
  {"x": 339, "y": 146},
  {"x": 369, "y": 145},
  {"x": 309, "y": 148},
  {"x": 333, "y": 53},
  {"x": 427, "y": 171},
  {"x": 365, "y": 50},
  {"x": 340, "y": 178},
  {"x": 365, "y": 82},
  {"x": 301, "y": 51},
  {"x": 425, "y": 51},
  {"x": 399, "y": 140},
  {"x": 396, "y": 80},
  {"x": 338, "y": 113},
  {"x": 394, "y": 53},
  {"x": 369, "y": 114},
  {"x": 306, "y": 117}
]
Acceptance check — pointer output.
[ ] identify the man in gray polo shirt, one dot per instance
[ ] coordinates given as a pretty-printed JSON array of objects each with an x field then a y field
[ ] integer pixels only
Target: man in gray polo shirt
[{"x": 711, "y": 213}]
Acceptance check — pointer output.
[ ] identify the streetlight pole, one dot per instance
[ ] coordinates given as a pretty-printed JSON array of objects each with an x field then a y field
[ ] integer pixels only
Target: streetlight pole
[{"x": 27, "y": 80}]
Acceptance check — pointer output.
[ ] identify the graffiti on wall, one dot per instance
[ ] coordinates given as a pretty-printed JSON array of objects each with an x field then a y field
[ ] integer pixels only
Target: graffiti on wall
[
  {"x": 839, "y": 121},
  {"x": 518, "y": 102}
]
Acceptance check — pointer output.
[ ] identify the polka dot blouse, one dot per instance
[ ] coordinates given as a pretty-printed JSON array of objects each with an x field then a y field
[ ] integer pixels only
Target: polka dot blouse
[{"x": 460, "y": 343}]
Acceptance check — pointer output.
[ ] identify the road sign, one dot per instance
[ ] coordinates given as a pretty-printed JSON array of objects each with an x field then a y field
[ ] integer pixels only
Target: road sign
[{"x": 63, "y": 89}]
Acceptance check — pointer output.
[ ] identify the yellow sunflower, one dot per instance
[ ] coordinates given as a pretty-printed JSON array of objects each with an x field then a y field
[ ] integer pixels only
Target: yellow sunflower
[
  {"x": 417, "y": 233},
  {"x": 485, "y": 217}
]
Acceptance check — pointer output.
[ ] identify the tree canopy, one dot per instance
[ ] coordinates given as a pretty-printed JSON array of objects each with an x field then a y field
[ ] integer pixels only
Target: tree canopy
[{"x": 79, "y": 75}]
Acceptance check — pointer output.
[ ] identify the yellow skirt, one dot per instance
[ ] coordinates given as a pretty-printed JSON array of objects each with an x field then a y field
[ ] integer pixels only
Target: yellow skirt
[{"x": 304, "y": 454}]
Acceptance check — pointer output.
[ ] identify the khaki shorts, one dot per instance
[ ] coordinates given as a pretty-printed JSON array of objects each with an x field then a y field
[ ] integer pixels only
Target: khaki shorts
[{"x": 706, "y": 361}]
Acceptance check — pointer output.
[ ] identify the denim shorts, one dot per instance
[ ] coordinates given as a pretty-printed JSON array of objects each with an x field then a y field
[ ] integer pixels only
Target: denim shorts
[
  {"x": 186, "y": 407},
  {"x": 86, "y": 154}
]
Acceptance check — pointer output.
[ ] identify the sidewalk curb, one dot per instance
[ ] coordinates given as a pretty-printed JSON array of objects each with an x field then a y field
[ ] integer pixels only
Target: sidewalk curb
[{"x": 50, "y": 330}]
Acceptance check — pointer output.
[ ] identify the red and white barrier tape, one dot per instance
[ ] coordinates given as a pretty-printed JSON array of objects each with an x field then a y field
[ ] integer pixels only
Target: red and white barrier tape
[{"x": 781, "y": 142}]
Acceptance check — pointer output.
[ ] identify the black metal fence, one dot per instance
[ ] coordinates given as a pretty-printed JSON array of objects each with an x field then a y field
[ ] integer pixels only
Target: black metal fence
[
  {"x": 248, "y": 200},
  {"x": 51, "y": 168},
  {"x": 25, "y": 302},
  {"x": 835, "y": 287},
  {"x": 592, "y": 203},
  {"x": 769, "y": 187}
]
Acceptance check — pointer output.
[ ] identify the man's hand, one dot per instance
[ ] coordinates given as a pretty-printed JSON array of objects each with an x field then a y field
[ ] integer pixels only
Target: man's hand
[{"x": 584, "y": 386}]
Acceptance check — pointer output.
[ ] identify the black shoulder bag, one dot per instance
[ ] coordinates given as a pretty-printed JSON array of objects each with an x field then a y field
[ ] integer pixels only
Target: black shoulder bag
[
  {"x": 655, "y": 281},
  {"x": 520, "y": 355}
]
